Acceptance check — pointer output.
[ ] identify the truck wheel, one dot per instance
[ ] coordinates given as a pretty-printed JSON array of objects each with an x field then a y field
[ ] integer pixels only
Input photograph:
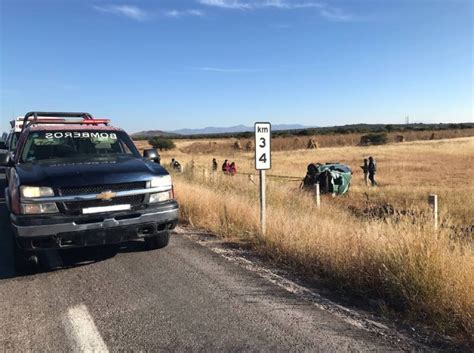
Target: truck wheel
[
  {"x": 158, "y": 241},
  {"x": 25, "y": 262}
]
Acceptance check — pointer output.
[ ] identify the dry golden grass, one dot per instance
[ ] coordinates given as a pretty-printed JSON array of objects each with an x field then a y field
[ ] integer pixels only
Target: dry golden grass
[
  {"x": 351, "y": 241},
  {"x": 290, "y": 143},
  {"x": 408, "y": 266},
  {"x": 407, "y": 174}
]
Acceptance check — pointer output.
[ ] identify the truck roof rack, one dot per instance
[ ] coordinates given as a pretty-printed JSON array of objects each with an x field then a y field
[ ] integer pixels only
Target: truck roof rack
[{"x": 33, "y": 118}]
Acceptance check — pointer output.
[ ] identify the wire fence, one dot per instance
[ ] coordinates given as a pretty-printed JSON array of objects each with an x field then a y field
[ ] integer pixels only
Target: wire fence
[
  {"x": 372, "y": 197},
  {"x": 285, "y": 177},
  {"x": 380, "y": 193}
]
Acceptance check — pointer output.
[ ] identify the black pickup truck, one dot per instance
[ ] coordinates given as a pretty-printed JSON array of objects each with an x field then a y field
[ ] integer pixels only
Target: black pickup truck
[{"x": 75, "y": 181}]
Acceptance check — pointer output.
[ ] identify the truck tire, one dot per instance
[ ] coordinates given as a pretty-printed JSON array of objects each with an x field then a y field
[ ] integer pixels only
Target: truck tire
[
  {"x": 25, "y": 262},
  {"x": 158, "y": 241}
]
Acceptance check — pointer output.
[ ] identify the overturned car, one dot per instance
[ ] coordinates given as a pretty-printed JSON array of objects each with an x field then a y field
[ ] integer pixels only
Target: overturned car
[{"x": 333, "y": 178}]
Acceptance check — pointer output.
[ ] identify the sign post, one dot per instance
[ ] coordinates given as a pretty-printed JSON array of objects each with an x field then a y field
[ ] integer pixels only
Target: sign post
[{"x": 263, "y": 162}]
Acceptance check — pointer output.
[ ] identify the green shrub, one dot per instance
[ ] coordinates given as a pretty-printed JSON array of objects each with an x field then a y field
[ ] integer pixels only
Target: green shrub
[
  {"x": 162, "y": 143},
  {"x": 374, "y": 139}
]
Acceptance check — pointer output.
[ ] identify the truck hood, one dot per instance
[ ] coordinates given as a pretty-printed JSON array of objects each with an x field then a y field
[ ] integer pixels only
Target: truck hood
[{"x": 83, "y": 172}]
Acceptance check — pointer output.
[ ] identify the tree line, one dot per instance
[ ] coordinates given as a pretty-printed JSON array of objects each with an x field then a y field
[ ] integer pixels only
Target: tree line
[{"x": 333, "y": 130}]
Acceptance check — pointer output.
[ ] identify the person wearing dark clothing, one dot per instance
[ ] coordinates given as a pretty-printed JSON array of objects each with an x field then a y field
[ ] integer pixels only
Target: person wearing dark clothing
[
  {"x": 372, "y": 167},
  {"x": 214, "y": 165},
  {"x": 176, "y": 165},
  {"x": 365, "y": 170},
  {"x": 311, "y": 177},
  {"x": 232, "y": 169},
  {"x": 225, "y": 167}
]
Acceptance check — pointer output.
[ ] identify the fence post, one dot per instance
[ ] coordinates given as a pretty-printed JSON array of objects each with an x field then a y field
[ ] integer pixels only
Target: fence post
[
  {"x": 251, "y": 179},
  {"x": 318, "y": 196},
  {"x": 433, "y": 202}
]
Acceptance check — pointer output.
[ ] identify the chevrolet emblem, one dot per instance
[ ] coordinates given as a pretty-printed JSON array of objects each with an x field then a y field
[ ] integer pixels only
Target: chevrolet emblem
[{"x": 106, "y": 195}]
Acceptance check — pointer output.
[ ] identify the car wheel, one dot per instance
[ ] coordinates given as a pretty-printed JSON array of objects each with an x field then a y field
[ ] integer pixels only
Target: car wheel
[{"x": 158, "y": 241}]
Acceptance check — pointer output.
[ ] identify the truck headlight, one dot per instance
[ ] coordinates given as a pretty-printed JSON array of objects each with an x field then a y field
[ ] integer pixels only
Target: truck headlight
[
  {"x": 161, "y": 196},
  {"x": 39, "y": 208},
  {"x": 161, "y": 181},
  {"x": 35, "y": 191}
]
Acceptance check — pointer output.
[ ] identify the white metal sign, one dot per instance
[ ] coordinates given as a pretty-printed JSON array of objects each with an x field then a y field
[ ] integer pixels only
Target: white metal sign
[{"x": 263, "y": 157}]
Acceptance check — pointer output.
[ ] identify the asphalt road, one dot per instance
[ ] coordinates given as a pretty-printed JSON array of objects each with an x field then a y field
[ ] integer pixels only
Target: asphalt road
[{"x": 181, "y": 298}]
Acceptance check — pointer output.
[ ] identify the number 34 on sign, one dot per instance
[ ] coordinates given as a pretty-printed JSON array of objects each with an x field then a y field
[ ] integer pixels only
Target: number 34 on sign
[{"x": 263, "y": 157}]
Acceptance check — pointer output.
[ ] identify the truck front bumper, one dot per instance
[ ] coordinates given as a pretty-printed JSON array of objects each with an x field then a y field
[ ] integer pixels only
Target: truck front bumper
[{"x": 57, "y": 231}]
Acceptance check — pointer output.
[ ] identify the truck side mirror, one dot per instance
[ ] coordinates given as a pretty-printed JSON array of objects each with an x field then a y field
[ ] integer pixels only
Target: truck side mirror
[
  {"x": 152, "y": 155},
  {"x": 3, "y": 145},
  {"x": 5, "y": 158}
]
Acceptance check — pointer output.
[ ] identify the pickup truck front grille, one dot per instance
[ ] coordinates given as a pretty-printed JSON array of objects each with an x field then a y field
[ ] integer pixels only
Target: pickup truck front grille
[
  {"x": 97, "y": 189},
  {"x": 75, "y": 207}
]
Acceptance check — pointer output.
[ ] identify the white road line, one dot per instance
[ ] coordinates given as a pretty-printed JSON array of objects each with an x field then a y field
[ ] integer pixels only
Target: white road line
[{"x": 82, "y": 332}]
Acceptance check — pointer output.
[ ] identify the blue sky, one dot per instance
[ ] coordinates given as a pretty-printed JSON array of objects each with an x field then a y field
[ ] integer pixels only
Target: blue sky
[{"x": 193, "y": 63}]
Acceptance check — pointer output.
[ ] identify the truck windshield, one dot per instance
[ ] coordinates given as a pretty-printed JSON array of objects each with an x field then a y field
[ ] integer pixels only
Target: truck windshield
[{"x": 47, "y": 145}]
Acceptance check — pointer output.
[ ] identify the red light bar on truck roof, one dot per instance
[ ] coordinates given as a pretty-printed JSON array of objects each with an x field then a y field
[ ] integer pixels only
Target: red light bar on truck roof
[
  {"x": 60, "y": 118},
  {"x": 96, "y": 121},
  {"x": 70, "y": 121}
]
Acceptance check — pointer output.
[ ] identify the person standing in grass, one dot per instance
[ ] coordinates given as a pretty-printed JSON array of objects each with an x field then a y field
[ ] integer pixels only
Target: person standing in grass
[
  {"x": 214, "y": 165},
  {"x": 177, "y": 166},
  {"x": 225, "y": 167},
  {"x": 372, "y": 167},
  {"x": 365, "y": 170},
  {"x": 232, "y": 169}
]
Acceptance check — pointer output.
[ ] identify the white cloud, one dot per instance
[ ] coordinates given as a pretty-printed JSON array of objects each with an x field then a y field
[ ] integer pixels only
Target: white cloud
[
  {"x": 184, "y": 13},
  {"x": 328, "y": 12},
  {"x": 129, "y": 11},
  {"x": 228, "y": 4},
  {"x": 338, "y": 15},
  {"x": 256, "y": 4}
]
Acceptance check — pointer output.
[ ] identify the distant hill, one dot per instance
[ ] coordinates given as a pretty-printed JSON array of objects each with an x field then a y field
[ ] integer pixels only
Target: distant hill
[
  {"x": 242, "y": 131},
  {"x": 234, "y": 129},
  {"x": 153, "y": 133}
]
